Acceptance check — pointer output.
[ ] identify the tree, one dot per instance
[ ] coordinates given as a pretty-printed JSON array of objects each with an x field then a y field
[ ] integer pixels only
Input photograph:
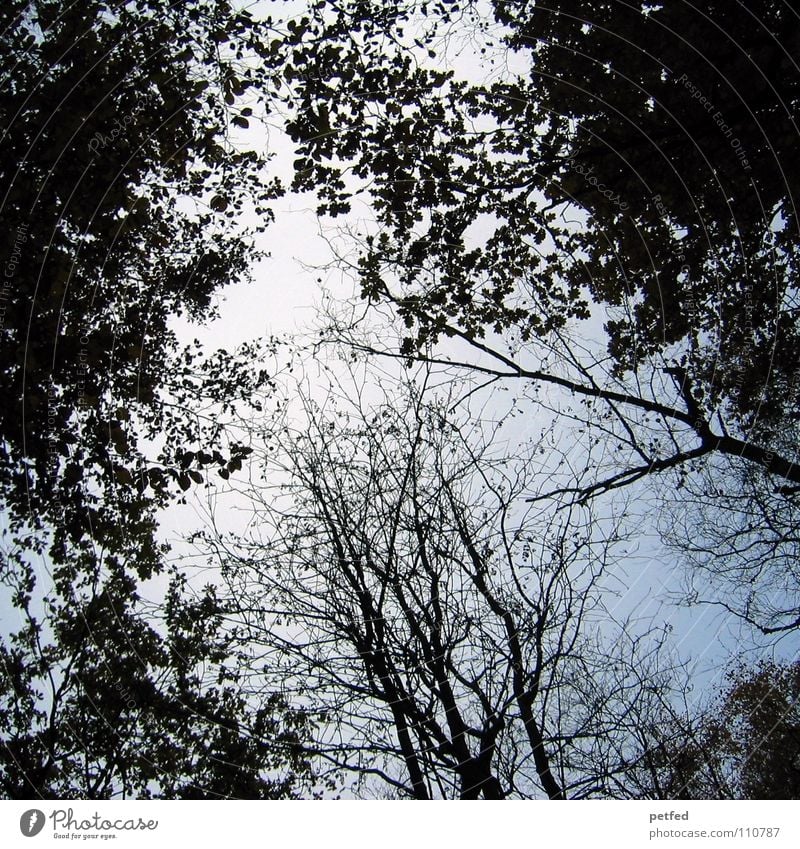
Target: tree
[
  {"x": 120, "y": 179},
  {"x": 111, "y": 706},
  {"x": 455, "y": 645},
  {"x": 613, "y": 226},
  {"x": 119, "y": 183},
  {"x": 601, "y": 124},
  {"x": 583, "y": 228},
  {"x": 745, "y": 745}
]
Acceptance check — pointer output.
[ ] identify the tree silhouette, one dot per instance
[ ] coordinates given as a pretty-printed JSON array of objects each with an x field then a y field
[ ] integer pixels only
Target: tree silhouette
[
  {"x": 115, "y": 120},
  {"x": 596, "y": 210},
  {"x": 746, "y": 745},
  {"x": 454, "y": 645},
  {"x": 688, "y": 246},
  {"x": 112, "y": 705},
  {"x": 119, "y": 183}
]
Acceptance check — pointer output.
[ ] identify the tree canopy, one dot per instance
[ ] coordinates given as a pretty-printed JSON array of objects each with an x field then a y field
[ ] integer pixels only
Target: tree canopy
[
  {"x": 456, "y": 647},
  {"x": 120, "y": 182},
  {"x": 637, "y": 169},
  {"x": 744, "y": 746},
  {"x": 571, "y": 230}
]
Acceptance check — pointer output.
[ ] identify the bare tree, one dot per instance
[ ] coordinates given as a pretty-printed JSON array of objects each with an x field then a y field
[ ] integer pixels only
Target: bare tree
[
  {"x": 724, "y": 507},
  {"x": 457, "y": 640}
]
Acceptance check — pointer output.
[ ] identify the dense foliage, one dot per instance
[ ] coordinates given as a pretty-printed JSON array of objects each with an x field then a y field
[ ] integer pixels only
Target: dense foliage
[{"x": 120, "y": 181}]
